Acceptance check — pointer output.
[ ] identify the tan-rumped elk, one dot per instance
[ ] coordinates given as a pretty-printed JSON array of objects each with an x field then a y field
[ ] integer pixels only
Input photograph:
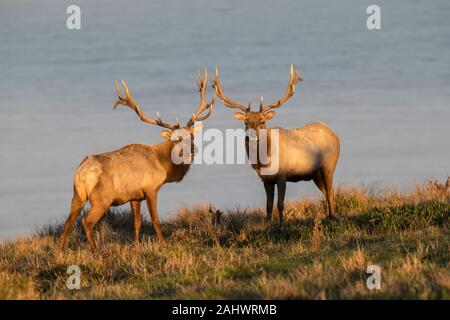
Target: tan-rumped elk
[
  {"x": 307, "y": 153},
  {"x": 132, "y": 173}
]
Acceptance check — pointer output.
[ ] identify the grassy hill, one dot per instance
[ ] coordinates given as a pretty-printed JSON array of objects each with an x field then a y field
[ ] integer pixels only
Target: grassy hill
[{"x": 407, "y": 235}]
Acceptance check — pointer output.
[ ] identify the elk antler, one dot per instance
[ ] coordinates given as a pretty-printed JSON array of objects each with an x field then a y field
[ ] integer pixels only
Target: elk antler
[
  {"x": 201, "y": 83},
  {"x": 226, "y": 101},
  {"x": 289, "y": 92},
  {"x": 129, "y": 102}
]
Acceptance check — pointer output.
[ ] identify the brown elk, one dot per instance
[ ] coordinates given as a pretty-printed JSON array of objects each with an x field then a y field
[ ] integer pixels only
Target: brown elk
[
  {"x": 132, "y": 173},
  {"x": 309, "y": 152}
]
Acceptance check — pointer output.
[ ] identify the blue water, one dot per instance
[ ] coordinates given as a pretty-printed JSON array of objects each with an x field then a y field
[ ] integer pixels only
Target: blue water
[{"x": 385, "y": 92}]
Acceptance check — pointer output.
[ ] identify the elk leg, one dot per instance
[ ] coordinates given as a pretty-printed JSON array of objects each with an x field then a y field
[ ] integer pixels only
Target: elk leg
[
  {"x": 152, "y": 201},
  {"x": 136, "y": 210},
  {"x": 270, "y": 190},
  {"x": 320, "y": 184},
  {"x": 281, "y": 187},
  {"x": 317, "y": 178},
  {"x": 328, "y": 181},
  {"x": 76, "y": 207},
  {"x": 94, "y": 214}
]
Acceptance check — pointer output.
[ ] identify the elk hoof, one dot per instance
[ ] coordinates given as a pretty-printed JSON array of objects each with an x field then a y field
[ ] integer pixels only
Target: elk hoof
[{"x": 333, "y": 217}]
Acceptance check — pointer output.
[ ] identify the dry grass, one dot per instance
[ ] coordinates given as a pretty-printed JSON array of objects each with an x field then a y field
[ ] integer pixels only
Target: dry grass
[{"x": 238, "y": 255}]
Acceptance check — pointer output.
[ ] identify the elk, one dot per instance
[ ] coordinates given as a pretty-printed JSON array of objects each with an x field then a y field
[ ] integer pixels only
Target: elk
[
  {"x": 134, "y": 172},
  {"x": 309, "y": 152}
]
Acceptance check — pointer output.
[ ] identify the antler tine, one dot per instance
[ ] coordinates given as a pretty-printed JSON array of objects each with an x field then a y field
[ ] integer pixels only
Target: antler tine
[
  {"x": 202, "y": 91},
  {"x": 205, "y": 76},
  {"x": 294, "y": 78},
  {"x": 202, "y": 82},
  {"x": 297, "y": 75},
  {"x": 226, "y": 101},
  {"x": 129, "y": 102},
  {"x": 209, "y": 108},
  {"x": 197, "y": 82},
  {"x": 164, "y": 124},
  {"x": 118, "y": 90},
  {"x": 127, "y": 92},
  {"x": 120, "y": 99}
]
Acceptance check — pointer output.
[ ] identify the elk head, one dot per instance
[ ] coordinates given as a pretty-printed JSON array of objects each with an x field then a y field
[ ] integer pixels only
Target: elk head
[
  {"x": 173, "y": 132},
  {"x": 171, "y": 128},
  {"x": 256, "y": 119}
]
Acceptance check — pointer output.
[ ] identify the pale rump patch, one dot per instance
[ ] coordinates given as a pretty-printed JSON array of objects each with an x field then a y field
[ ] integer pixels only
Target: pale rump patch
[{"x": 87, "y": 175}]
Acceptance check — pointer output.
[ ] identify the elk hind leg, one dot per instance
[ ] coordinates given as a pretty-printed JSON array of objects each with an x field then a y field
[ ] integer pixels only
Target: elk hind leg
[
  {"x": 327, "y": 177},
  {"x": 76, "y": 206},
  {"x": 99, "y": 206},
  {"x": 318, "y": 180}
]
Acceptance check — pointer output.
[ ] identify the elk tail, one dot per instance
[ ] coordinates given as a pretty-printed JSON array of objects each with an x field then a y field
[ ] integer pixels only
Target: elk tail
[{"x": 79, "y": 186}]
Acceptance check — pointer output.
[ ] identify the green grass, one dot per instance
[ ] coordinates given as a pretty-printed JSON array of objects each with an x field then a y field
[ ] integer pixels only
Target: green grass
[{"x": 407, "y": 235}]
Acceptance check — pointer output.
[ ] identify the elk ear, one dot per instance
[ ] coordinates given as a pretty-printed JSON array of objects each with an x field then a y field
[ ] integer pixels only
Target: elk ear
[
  {"x": 240, "y": 116},
  {"x": 166, "y": 134},
  {"x": 269, "y": 115}
]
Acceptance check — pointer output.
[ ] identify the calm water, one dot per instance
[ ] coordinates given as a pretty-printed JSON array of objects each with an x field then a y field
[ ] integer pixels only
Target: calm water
[{"x": 386, "y": 93}]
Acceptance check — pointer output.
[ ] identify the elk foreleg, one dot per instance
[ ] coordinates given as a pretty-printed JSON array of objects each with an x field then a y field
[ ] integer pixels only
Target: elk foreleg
[
  {"x": 281, "y": 187},
  {"x": 136, "y": 210},
  {"x": 152, "y": 203},
  {"x": 270, "y": 190}
]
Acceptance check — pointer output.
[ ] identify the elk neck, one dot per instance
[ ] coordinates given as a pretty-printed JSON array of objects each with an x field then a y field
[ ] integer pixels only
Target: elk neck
[
  {"x": 174, "y": 172},
  {"x": 254, "y": 148}
]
